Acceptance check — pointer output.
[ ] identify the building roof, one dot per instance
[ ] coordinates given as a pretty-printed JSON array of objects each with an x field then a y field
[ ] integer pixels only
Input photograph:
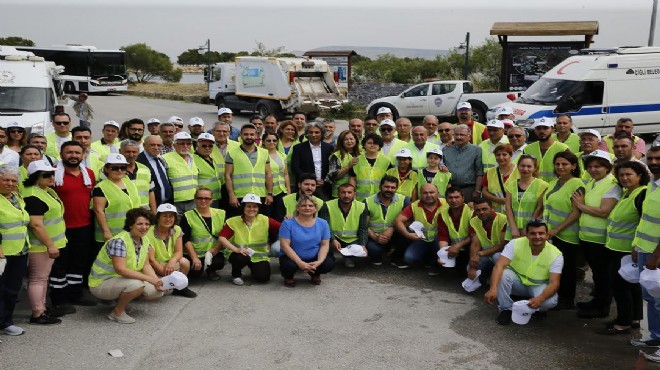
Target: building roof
[{"x": 544, "y": 28}]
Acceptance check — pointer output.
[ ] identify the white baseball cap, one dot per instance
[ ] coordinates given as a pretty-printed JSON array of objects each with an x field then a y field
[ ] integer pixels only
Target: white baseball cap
[
  {"x": 166, "y": 207},
  {"x": 175, "y": 280},
  {"x": 590, "y": 131},
  {"x": 205, "y": 136},
  {"x": 508, "y": 123},
  {"x": 598, "y": 154},
  {"x": 115, "y": 158},
  {"x": 435, "y": 151},
  {"x": 495, "y": 123},
  {"x": 251, "y": 198},
  {"x": 13, "y": 124},
  {"x": 521, "y": 312},
  {"x": 354, "y": 250},
  {"x": 175, "y": 119},
  {"x": 463, "y": 105},
  {"x": 387, "y": 122},
  {"x": 543, "y": 121},
  {"x": 446, "y": 260},
  {"x": 650, "y": 280},
  {"x": 383, "y": 110},
  {"x": 39, "y": 165},
  {"x": 153, "y": 120},
  {"x": 404, "y": 153},
  {"x": 629, "y": 270},
  {"x": 111, "y": 123},
  {"x": 504, "y": 110},
  {"x": 222, "y": 111},
  {"x": 470, "y": 285},
  {"x": 196, "y": 121},
  {"x": 182, "y": 136}
]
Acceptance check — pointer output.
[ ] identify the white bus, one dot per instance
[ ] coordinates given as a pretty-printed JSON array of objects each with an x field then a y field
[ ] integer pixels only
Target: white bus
[{"x": 87, "y": 69}]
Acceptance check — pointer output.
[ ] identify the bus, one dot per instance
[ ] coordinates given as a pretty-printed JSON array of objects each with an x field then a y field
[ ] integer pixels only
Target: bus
[{"x": 87, "y": 69}]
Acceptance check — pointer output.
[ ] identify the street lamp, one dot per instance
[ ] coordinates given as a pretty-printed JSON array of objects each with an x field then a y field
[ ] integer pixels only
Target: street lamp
[
  {"x": 464, "y": 47},
  {"x": 652, "y": 30},
  {"x": 207, "y": 47}
]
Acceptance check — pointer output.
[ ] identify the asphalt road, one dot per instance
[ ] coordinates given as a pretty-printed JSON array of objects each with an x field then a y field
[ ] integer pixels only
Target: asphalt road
[{"x": 369, "y": 317}]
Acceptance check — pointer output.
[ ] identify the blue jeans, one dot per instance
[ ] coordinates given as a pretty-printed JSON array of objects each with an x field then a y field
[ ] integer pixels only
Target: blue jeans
[
  {"x": 653, "y": 304},
  {"x": 421, "y": 252},
  {"x": 511, "y": 284},
  {"x": 486, "y": 265}
]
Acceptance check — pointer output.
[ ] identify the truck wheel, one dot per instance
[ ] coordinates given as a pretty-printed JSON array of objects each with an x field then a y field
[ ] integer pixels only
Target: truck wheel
[
  {"x": 478, "y": 112},
  {"x": 374, "y": 109},
  {"x": 266, "y": 107},
  {"x": 220, "y": 102}
]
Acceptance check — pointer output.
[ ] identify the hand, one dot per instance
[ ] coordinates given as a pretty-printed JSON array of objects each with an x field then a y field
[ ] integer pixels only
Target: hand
[
  {"x": 414, "y": 236},
  {"x": 196, "y": 263},
  {"x": 474, "y": 261},
  {"x": 535, "y": 302},
  {"x": 3, "y": 263},
  {"x": 578, "y": 198},
  {"x": 107, "y": 235},
  {"x": 337, "y": 245},
  {"x": 472, "y": 273},
  {"x": 233, "y": 201},
  {"x": 366, "y": 252},
  {"x": 306, "y": 267},
  {"x": 490, "y": 296},
  {"x": 443, "y": 169},
  {"x": 353, "y": 162},
  {"x": 170, "y": 267},
  {"x": 314, "y": 264},
  {"x": 320, "y": 182},
  {"x": 269, "y": 199},
  {"x": 515, "y": 233},
  {"x": 634, "y": 255},
  {"x": 157, "y": 283},
  {"x": 53, "y": 252},
  {"x": 652, "y": 263},
  {"x": 452, "y": 251},
  {"x": 244, "y": 252},
  {"x": 552, "y": 233},
  {"x": 476, "y": 194},
  {"x": 383, "y": 239}
]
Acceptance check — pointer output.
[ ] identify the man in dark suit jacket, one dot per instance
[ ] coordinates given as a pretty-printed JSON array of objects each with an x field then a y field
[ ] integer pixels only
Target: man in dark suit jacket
[
  {"x": 312, "y": 156},
  {"x": 150, "y": 157}
]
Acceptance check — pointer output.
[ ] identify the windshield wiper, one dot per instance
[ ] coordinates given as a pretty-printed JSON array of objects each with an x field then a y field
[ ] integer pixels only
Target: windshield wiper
[{"x": 11, "y": 109}]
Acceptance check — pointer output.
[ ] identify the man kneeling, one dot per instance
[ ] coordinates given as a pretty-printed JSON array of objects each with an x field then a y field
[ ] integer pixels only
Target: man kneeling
[{"x": 528, "y": 267}]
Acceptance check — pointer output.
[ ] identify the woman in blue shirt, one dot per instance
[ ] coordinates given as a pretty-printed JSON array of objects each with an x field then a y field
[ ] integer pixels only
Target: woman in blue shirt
[{"x": 304, "y": 243}]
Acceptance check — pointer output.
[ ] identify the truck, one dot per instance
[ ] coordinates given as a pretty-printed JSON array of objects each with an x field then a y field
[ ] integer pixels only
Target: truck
[
  {"x": 440, "y": 98},
  {"x": 596, "y": 88},
  {"x": 270, "y": 85},
  {"x": 30, "y": 90}
]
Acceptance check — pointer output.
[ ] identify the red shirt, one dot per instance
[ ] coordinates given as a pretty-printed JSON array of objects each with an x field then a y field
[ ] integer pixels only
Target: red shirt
[
  {"x": 443, "y": 230},
  {"x": 408, "y": 212},
  {"x": 484, "y": 135},
  {"x": 75, "y": 196},
  {"x": 273, "y": 228}
]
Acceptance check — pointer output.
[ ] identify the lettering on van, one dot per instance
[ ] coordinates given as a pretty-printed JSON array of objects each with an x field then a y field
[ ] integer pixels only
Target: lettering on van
[
  {"x": 643, "y": 71},
  {"x": 7, "y": 77}
]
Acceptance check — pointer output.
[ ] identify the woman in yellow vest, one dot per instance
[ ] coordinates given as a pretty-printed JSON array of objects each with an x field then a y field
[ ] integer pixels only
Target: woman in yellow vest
[
  {"x": 342, "y": 160},
  {"x": 46, "y": 234},
  {"x": 288, "y": 134},
  {"x": 562, "y": 217},
  {"x": 432, "y": 174},
  {"x": 201, "y": 227},
  {"x": 122, "y": 271},
  {"x": 14, "y": 247},
  {"x": 246, "y": 239},
  {"x": 278, "y": 166},
  {"x": 29, "y": 154},
  {"x": 633, "y": 177},
  {"x": 524, "y": 197},
  {"x": 496, "y": 178},
  {"x": 112, "y": 198},
  {"x": 407, "y": 176},
  {"x": 166, "y": 242},
  {"x": 602, "y": 194},
  {"x": 370, "y": 168}
]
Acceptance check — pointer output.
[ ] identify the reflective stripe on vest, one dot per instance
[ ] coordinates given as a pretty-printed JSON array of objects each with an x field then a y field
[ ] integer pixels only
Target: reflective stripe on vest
[
  {"x": 545, "y": 162},
  {"x": 182, "y": 176},
  {"x": 143, "y": 183},
  {"x": 494, "y": 185},
  {"x": 342, "y": 228},
  {"x": 622, "y": 222},
  {"x": 377, "y": 222},
  {"x": 208, "y": 176},
  {"x": 102, "y": 269},
  {"x": 53, "y": 219},
  {"x": 558, "y": 206},
  {"x": 495, "y": 230},
  {"x": 277, "y": 164},
  {"x": 430, "y": 229},
  {"x": 463, "y": 231},
  {"x": 255, "y": 236},
  {"x": 532, "y": 271},
  {"x": 247, "y": 178},
  {"x": 162, "y": 252},
  {"x": 523, "y": 208},
  {"x": 200, "y": 238},
  {"x": 594, "y": 229},
  {"x": 647, "y": 236},
  {"x": 118, "y": 204},
  {"x": 13, "y": 226},
  {"x": 407, "y": 184},
  {"x": 344, "y": 179},
  {"x": 368, "y": 177}
]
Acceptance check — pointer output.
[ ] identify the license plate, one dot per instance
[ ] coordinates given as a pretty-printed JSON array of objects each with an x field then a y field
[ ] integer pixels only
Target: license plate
[{"x": 112, "y": 89}]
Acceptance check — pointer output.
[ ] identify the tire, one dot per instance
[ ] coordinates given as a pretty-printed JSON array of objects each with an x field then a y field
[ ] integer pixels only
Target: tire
[
  {"x": 374, "y": 109},
  {"x": 266, "y": 107},
  {"x": 478, "y": 112},
  {"x": 220, "y": 101}
]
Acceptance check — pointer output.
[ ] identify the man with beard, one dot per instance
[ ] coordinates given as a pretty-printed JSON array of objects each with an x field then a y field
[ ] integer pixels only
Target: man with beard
[
  {"x": 139, "y": 174},
  {"x": 383, "y": 208},
  {"x": 313, "y": 156},
  {"x": 166, "y": 131},
  {"x": 135, "y": 131},
  {"x": 73, "y": 185},
  {"x": 182, "y": 172},
  {"x": 91, "y": 158},
  {"x": 286, "y": 206},
  {"x": 391, "y": 145},
  {"x": 109, "y": 142},
  {"x": 247, "y": 171},
  {"x": 151, "y": 158},
  {"x": 545, "y": 148},
  {"x": 419, "y": 147},
  {"x": 478, "y": 131},
  {"x": 487, "y": 229},
  {"x": 454, "y": 226},
  {"x": 61, "y": 125},
  {"x": 270, "y": 123}
]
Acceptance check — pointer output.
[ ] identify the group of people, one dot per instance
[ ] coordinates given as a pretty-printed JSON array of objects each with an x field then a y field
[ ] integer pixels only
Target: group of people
[{"x": 147, "y": 199}]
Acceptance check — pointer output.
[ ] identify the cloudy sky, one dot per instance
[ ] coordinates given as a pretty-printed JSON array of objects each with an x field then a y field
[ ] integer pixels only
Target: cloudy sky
[{"x": 235, "y": 25}]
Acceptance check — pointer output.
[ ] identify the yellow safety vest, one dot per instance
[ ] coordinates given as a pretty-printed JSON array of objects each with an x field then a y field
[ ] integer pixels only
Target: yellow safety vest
[
  {"x": 647, "y": 236},
  {"x": 53, "y": 219},
  {"x": 118, "y": 204},
  {"x": 344, "y": 163},
  {"x": 478, "y": 129},
  {"x": 487, "y": 152},
  {"x": 532, "y": 271},
  {"x": 368, "y": 177},
  {"x": 584, "y": 175},
  {"x": 255, "y": 237},
  {"x": 594, "y": 229},
  {"x": 557, "y": 207},
  {"x": 430, "y": 229},
  {"x": 495, "y": 230},
  {"x": 247, "y": 178},
  {"x": 102, "y": 269},
  {"x": 277, "y": 167},
  {"x": 379, "y": 222},
  {"x": 463, "y": 231},
  {"x": 523, "y": 205},
  {"x": 104, "y": 150},
  {"x": 22, "y": 175},
  {"x": 183, "y": 176},
  {"x": 419, "y": 158},
  {"x": 13, "y": 226},
  {"x": 494, "y": 185},
  {"x": 622, "y": 222},
  {"x": 573, "y": 142},
  {"x": 407, "y": 184},
  {"x": 162, "y": 252},
  {"x": 396, "y": 146},
  {"x": 208, "y": 175},
  {"x": 219, "y": 159},
  {"x": 51, "y": 145},
  {"x": 142, "y": 183},
  {"x": 440, "y": 180},
  {"x": 345, "y": 229},
  {"x": 545, "y": 162},
  {"x": 290, "y": 201},
  {"x": 200, "y": 237}
]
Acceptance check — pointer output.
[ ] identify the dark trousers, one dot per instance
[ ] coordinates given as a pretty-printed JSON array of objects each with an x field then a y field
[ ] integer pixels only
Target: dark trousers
[
  {"x": 628, "y": 296},
  {"x": 71, "y": 269},
  {"x": 270, "y": 211},
  {"x": 10, "y": 284},
  {"x": 288, "y": 268},
  {"x": 217, "y": 263},
  {"x": 568, "y": 282},
  {"x": 397, "y": 246},
  {"x": 597, "y": 257},
  {"x": 260, "y": 270}
]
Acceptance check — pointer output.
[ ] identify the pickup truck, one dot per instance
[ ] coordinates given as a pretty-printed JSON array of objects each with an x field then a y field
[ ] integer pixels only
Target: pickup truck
[{"x": 439, "y": 98}]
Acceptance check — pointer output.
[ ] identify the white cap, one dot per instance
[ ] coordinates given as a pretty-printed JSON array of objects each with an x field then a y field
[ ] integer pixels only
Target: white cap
[
  {"x": 175, "y": 280},
  {"x": 196, "y": 121},
  {"x": 435, "y": 151},
  {"x": 222, "y": 111},
  {"x": 445, "y": 260},
  {"x": 153, "y": 120},
  {"x": 39, "y": 165},
  {"x": 175, "y": 119},
  {"x": 650, "y": 280},
  {"x": 383, "y": 110},
  {"x": 182, "y": 136},
  {"x": 165, "y": 207},
  {"x": 599, "y": 154},
  {"x": 543, "y": 121},
  {"x": 404, "y": 153},
  {"x": 508, "y": 123},
  {"x": 417, "y": 227},
  {"x": 521, "y": 312},
  {"x": 387, "y": 122},
  {"x": 590, "y": 131},
  {"x": 504, "y": 110},
  {"x": 13, "y": 124},
  {"x": 470, "y": 285},
  {"x": 463, "y": 105},
  {"x": 495, "y": 123},
  {"x": 629, "y": 270},
  {"x": 354, "y": 250},
  {"x": 251, "y": 198},
  {"x": 205, "y": 136},
  {"x": 111, "y": 123},
  {"x": 115, "y": 158}
]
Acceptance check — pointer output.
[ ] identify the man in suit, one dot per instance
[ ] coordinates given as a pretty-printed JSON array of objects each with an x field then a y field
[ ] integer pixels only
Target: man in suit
[
  {"x": 312, "y": 156},
  {"x": 151, "y": 158}
]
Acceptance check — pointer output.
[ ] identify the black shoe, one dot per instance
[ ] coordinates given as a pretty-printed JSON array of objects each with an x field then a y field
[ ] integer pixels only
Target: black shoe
[
  {"x": 613, "y": 331},
  {"x": 44, "y": 320},
  {"x": 185, "y": 292},
  {"x": 593, "y": 313},
  {"x": 610, "y": 324},
  {"x": 563, "y": 306},
  {"x": 586, "y": 305},
  {"x": 504, "y": 318},
  {"x": 85, "y": 301},
  {"x": 399, "y": 264},
  {"x": 540, "y": 315},
  {"x": 61, "y": 310}
]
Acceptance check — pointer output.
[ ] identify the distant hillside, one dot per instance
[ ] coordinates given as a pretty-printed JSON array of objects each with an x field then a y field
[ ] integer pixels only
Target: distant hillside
[{"x": 374, "y": 51}]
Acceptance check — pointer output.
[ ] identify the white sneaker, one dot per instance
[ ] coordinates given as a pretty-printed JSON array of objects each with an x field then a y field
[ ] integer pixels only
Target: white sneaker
[
  {"x": 122, "y": 319},
  {"x": 238, "y": 281},
  {"x": 654, "y": 357},
  {"x": 13, "y": 330}
]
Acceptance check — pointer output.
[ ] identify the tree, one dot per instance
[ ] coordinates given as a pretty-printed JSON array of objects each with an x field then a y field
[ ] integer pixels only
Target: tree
[
  {"x": 146, "y": 63},
  {"x": 15, "y": 41},
  {"x": 262, "y": 51}
]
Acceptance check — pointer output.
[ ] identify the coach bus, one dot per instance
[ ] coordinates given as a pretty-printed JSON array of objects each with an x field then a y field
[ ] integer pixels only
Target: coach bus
[{"x": 87, "y": 69}]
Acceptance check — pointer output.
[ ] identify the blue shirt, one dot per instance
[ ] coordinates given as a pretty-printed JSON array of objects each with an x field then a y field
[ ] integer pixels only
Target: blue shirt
[{"x": 305, "y": 241}]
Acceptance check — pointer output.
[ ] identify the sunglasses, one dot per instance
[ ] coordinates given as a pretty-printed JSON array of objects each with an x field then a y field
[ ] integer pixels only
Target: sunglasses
[
  {"x": 445, "y": 130},
  {"x": 386, "y": 129},
  {"x": 16, "y": 131},
  {"x": 118, "y": 168},
  {"x": 47, "y": 175},
  {"x": 61, "y": 123},
  {"x": 271, "y": 140},
  {"x": 179, "y": 126},
  {"x": 205, "y": 146},
  {"x": 206, "y": 199}
]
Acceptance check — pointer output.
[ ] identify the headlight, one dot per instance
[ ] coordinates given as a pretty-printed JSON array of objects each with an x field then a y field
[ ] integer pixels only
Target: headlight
[{"x": 524, "y": 123}]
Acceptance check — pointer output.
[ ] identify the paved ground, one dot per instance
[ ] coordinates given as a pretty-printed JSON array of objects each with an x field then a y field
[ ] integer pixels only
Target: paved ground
[{"x": 371, "y": 317}]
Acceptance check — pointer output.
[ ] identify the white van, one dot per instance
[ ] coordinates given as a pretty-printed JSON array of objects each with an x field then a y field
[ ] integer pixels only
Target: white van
[
  {"x": 29, "y": 89},
  {"x": 596, "y": 89}
]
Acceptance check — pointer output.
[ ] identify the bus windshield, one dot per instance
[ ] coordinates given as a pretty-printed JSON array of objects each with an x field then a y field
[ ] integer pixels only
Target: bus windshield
[
  {"x": 107, "y": 64},
  {"x": 23, "y": 99},
  {"x": 549, "y": 91}
]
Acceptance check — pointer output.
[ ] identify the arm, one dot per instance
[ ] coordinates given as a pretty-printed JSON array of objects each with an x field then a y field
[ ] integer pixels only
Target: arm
[
  {"x": 363, "y": 228},
  {"x": 400, "y": 227},
  {"x": 287, "y": 180},
  {"x": 494, "y": 249},
  {"x": 415, "y": 194},
  {"x": 573, "y": 217},
  {"x": 229, "y": 171},
  {"x": 511, "y": 220},
  {"x": 475, "y": 248},
  {"x": 269, "y": 185},
  {"x": 158, "y": 267},
  {"x": 285, "y": 247},
  {"x": 227, "y": 244},
  {"x": 495, "y": 277},
  {"x": 99, "y": 204},
  {"x": 147, "y": 274},
  {"x": 548, "y": 292},
  {"x": 603, "y": 210},
  {"x": 538, "y": 211},
  {"x": 296, "y": 165},
  {"x": 176, "y": 257},
  {"x": 39, "y": 230}
]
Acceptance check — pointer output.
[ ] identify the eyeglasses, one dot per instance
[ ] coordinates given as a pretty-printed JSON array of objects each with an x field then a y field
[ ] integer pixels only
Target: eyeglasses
[
  {"x": 461, "y": 134},
  {"x": 118, "y": 168},
  {"x": 136, "y": 129},
  {"x": 445, "y": 130},
  {"x": 205, "y": 199},
  {"x": 386, "y": 129},
  {"x": 16, "y": 131},
  {"x": 179, "y": 126},
  {"x": 47, "y": 175},
  {"x": 205, "y": 146},
  {"x": 61, "y": 123},
  {"x": 271, "y": 140},
  {"x": 514, "y": 136},
  {"x": 184, "y": 143}
]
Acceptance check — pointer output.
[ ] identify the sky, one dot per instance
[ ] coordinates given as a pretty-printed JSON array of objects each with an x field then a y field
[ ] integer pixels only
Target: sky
[{"x": 300, "y": 25}]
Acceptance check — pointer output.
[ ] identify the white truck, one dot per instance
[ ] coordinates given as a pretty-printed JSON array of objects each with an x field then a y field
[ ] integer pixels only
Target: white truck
[
  {"x": 269, "y": 85},
  {"x": 29, "y": 89},
  {"x": 596, "y": 89},
  {"x": 440, "y": 98}
]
